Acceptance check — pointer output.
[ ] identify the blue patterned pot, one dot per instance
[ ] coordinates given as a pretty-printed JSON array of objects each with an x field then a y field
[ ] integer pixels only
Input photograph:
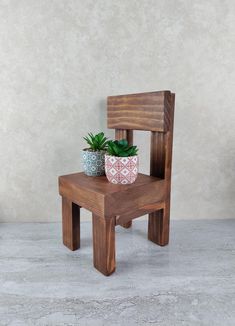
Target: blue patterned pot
[{"x": 93, "y": 163}]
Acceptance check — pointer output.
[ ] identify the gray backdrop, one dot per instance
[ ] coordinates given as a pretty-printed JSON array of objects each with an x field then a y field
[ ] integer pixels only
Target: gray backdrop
[{"x": 59, "y": 60}]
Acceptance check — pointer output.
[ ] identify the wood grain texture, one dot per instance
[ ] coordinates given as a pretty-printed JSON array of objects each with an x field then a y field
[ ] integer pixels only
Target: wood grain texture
[
  {"x": 106, "y": 199},
  {"x": 120, "y": 203},
  {"x": 158, "y": 226},
  {"x": 157, "y": 154},
  {"x": 144, "y": 111},
  {"x": 146, "y": 209},
  {"x": 70, "y": 224},
  {"x": 104, "y": 244},
  {"x": 160, "y": 166},
  {"x": 128, "y": 135},
  {"x": 112, "y": 204},
  {"x": 84, "y": 191}
]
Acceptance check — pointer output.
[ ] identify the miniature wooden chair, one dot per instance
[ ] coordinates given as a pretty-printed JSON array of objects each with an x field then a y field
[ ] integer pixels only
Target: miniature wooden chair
[{"x": 112, "y": 204}]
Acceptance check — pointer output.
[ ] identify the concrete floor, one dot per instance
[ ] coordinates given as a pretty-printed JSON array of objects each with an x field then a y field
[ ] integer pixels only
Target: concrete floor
[{"x": 189, "y": 282}]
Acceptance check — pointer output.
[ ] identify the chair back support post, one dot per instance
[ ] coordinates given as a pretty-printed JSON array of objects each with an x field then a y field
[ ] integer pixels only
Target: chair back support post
[
  {"x": 160, "y": 166},
  {"x": 161, "y": 149},
  {"x": 124, "y": 134}
]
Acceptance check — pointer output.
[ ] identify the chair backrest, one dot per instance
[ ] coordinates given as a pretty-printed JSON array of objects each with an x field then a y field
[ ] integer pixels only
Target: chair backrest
[{"x": 154, "y": 112}]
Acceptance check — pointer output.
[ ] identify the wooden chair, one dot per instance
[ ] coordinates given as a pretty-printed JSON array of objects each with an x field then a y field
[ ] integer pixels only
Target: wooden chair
[{"x": 113, "y": 205}]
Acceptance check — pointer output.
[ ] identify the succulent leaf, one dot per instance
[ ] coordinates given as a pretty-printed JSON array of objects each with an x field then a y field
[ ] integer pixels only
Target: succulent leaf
[
  {"x": 96, "y": 142},
  {"x": 121, "y": 148}
]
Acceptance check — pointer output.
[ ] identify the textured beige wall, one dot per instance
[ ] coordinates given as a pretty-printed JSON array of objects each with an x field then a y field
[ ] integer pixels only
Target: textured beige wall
[{"x": 59, "y": 59}]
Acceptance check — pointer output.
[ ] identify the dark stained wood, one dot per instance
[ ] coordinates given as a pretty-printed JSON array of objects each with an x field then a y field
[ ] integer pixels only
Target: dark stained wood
[
  {"x": 124, "y": 134},
  {"x": 104, "y": 244},
  {"x": 70, "y": 224},
  {"x": 146, "y": 209},
  {"x": 107, "y": 199},
  {"x": 158, "y": 226},
  {"x": 157, "y": 154},
  {"x": 78, "y": 189},
  {"x": 128, "y": 135},
  {"x": 99, "y": 185},
  {"x": 127, "y": 224},
  {"x": 144, "y": 111},
  {"x": 119, "y": 204},
  {"x": 160, "y": 166}
]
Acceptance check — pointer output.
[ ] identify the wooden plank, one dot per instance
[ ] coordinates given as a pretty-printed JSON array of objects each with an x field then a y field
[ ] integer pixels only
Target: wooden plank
[
  {"x": 105, "y": 199},
  {"x": 146, "y": 209},
  {"x": 104, "y": 244},
  {"x": 169, "y": 146},
  {"x": 144, "y": 111},
  {"x": 160, "y": 166},
  {"x": 77, "y": 192},
  {"x": 157, "y": 154},
  {"x": 100, "y": 185},
  {"x": 70, "y": 224},
  {"x": 123, "y": 202}
]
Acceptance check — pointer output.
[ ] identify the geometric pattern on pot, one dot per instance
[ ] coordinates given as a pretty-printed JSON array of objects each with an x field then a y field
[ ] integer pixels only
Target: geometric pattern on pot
[
  {"x": 122, "y": 170},
  {"x": 93, "y": 163}
]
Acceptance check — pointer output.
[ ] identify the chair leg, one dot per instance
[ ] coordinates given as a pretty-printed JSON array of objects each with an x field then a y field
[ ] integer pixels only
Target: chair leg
[
  {"x": 158, "y": 226},
  {"x": 70, "y": 224},
  {"x": 127, "y": 225},
  {"x": 104, "y": 244}
]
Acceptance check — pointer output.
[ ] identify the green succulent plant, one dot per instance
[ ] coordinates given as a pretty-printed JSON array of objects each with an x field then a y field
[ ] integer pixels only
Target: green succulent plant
[
  {"x": 96, "y": 142},
  {"x": 121, "y": 148}
]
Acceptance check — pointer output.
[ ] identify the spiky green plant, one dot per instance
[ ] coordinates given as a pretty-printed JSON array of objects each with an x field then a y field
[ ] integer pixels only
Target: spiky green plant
[
  {"x": 121, "y": 148},
  {"x": 96, "y": 142}
]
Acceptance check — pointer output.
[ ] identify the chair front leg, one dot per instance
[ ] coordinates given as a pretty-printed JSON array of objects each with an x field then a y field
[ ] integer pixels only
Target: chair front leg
[
  {"x": 70, "y": 224},
  {"x": 158, "y": 225},
  {"x": 104, "y": 244}
]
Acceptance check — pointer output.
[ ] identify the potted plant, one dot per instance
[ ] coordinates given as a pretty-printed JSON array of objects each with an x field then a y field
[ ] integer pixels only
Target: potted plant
[
  {"x": 121, "y": 162},
  {"x": 93, "y": 157}
]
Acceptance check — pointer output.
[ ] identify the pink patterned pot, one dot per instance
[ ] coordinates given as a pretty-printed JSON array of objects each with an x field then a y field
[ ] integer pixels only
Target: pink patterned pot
[{"x": 123, "y": 170}]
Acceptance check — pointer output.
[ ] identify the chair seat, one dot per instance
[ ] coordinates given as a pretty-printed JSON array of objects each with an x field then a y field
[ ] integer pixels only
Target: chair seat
[{"x": 105, "y": 199}]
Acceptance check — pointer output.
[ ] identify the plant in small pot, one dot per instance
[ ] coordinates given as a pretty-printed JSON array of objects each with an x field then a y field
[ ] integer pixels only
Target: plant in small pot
[
  {"x": 121, "y": 162},
  {"x": 93, "y": 157}
]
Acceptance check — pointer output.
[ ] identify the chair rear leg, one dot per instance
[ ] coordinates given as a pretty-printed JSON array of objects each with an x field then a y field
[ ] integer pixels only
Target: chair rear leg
[
  {"x": 127, "y": 225},
  {"x": 104, "y": 244},
  {"x": 158, "y": 225},
  {"x": 70, "y": 224}
]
